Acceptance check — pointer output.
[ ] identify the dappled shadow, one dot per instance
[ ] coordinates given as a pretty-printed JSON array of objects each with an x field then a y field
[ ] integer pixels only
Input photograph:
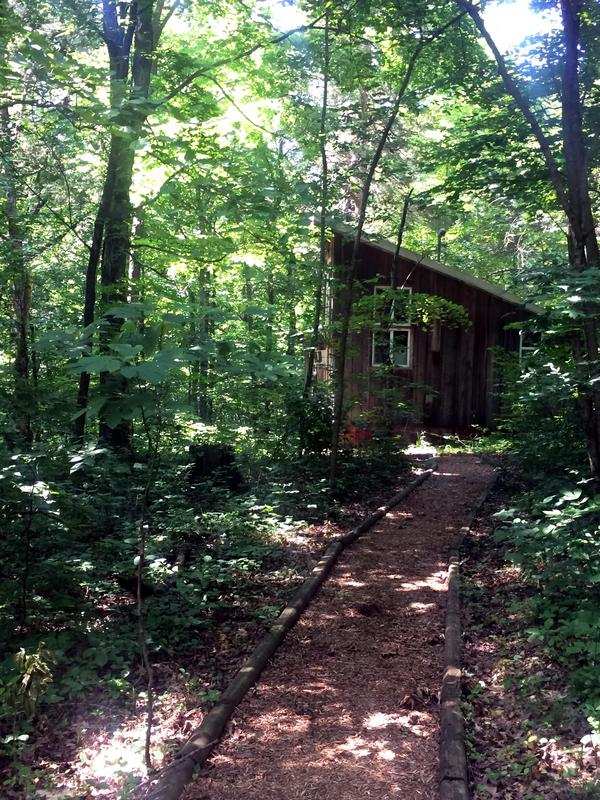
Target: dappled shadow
[
  {"x": 348, "y": 708},
  {"x": 530, "y": 733}
]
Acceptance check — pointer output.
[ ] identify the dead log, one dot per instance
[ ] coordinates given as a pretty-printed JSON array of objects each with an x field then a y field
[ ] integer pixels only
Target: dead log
[{"x": 454, "y": 779}]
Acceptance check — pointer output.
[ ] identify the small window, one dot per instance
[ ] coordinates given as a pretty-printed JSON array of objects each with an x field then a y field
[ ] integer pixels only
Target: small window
[
  {"x": 321, "y": 356},
  {"x": 381, "y": 347},
  {"x": 392, "y": 340},
  {"x": 392, "y": 347},
  {"x": 529, "y": 342}
]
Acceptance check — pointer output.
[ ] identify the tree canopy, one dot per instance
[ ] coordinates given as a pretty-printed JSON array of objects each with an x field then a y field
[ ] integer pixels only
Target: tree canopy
[{"x": 169, "y": 170}]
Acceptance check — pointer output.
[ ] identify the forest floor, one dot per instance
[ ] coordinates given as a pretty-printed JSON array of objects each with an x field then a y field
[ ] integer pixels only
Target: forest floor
[
  {"x": 88, "y": 742},
  {"x": 349, "y": 708},
  {"x": 528, "y": 738}
]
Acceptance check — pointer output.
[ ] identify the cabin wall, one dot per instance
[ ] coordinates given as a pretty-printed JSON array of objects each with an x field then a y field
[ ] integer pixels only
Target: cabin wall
[{"x": 452, "y": 388}]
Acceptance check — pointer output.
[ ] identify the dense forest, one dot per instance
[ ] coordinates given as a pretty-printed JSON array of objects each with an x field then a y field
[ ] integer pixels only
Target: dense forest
[{"x": 171, "y": 458}]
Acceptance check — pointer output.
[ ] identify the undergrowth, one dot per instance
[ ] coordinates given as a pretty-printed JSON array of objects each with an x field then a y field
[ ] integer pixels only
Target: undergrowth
[{"x": 215, "y": 559}]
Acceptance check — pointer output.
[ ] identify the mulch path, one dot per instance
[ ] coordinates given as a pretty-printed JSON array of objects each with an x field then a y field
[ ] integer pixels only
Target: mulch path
[{"x": 348, "y": 708}]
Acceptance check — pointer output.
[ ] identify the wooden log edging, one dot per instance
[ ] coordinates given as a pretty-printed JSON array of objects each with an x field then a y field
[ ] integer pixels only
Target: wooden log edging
[
  {"x": 454, "y": 778},
  {"x": 172, "y": 780}
]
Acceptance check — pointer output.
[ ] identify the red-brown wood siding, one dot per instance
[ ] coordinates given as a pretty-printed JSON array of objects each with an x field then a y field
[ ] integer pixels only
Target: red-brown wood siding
[{"x": 452, "y": 388}]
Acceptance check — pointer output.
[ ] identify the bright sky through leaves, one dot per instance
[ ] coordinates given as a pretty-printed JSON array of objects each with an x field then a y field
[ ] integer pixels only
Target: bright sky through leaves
[{"x": 509, "y": 22}]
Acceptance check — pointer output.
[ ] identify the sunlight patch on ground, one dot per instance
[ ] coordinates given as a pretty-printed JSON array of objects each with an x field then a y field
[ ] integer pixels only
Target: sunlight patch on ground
[
  {"x": 422, "y": 448},
  {"x": 381, "y": 720},
  {"x": 422, "y": 608},
  {"x": 281, "y": 721},
  {"x": 112, "y": 760},
  {"x": 435, "y": 582}
]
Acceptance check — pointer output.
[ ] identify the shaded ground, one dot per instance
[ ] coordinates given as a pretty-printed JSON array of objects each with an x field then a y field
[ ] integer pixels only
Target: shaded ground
[
  {"x": 247, "y": 554},
  {"x": 527, "y": 736},
  {"x": 349, "y": 708}
]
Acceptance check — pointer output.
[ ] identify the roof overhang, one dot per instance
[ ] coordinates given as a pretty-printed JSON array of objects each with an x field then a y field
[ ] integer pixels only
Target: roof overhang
[{"x": 347, "y": 231}]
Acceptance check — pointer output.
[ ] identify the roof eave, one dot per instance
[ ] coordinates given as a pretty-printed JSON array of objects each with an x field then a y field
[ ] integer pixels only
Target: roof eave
[{"x": 451, "y": 272}]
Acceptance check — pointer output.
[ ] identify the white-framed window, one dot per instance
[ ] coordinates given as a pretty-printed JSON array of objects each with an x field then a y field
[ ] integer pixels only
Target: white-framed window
[
  {"x": 321, "y": 356},
  {"x": 529, "y": 342},
  {"x": 392, "y": 340},
  {"x": 392, "y": 347}
]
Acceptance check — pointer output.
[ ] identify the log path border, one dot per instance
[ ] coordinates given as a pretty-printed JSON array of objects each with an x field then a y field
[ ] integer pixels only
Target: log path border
[
  {"x": 454, "y": 778},
  {"x": 173, "y": 779}
]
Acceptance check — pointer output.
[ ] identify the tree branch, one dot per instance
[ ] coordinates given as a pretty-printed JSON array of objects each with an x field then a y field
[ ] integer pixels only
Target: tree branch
[
  {"x": 228, "y": 97},
  {"x": 205, "y": 71},
  {"x": 523, "y": 104}
]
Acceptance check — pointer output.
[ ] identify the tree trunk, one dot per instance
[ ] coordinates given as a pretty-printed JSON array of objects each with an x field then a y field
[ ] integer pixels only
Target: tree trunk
[
  {"x": 291, "y": 298},
  {"x": 20, "y": 280},
  {"x": 573, "y": 194},
  {"x": 350, "y": 276},
  {"x": 583, "y": 250},
  {"x": 118, "y": 41},
  {"x": 205, "y": 407},
  {"x": 399, "y": 237},
  {"x": 314, "y": 341},
  {"x": 119, "y": 217},
  {"x": 200, "y": 330},
  {"x": 248, "y": 295},
  {"x": 270, "y": 297},
  {"x": 89, "y": 304},
  {"x": 137, "y": 264}
]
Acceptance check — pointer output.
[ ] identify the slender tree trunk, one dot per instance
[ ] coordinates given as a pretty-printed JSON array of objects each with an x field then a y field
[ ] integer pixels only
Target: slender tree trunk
[
  {"x": 200, "y": 332},
  {"x": 20, "y": 279},
  {"x": 573, "y": 194},
  {"x": 291, "y": 293},
  {"x": 137, "y": 265},
  {"x": 314, "y": 341},
  {"x": 350, "y": 276},
  {"x": 194, "y": 381},
  {"x": 270, "y": 297},
  {"x": 399, "y": 238},
  {"x": 89, "y": 303},
  {"x": 118, "y": 223},
  {"x": 205, "y": 408},
  {"x": 248, "y": 294}
]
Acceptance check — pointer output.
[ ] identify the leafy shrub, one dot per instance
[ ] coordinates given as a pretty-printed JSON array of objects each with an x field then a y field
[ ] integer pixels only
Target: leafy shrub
[
  {"x": 539, "y": 413},
  {"x": 555, "y": 540}
]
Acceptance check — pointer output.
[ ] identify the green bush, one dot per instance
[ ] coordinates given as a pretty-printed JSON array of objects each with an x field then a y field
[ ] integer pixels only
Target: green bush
[
  {"x": 555, "y": 540},
  {"x": 539, "y": 414}
]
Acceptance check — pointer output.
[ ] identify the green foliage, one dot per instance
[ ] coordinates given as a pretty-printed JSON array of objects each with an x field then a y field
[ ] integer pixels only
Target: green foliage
[
  {"x": 555, "y": 540},
  {"x": 27, "y": 676},
  {"x": 394, "y": 306},
  {"x": 203, "y": 335},
  {"x": 309, "y": 418},
  {"x": 211, "y": 556},
  {"x": 539, "y": 411}
]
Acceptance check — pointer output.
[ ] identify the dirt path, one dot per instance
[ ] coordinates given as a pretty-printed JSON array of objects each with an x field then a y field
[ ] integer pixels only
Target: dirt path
[{"x": 345, "y": 711}]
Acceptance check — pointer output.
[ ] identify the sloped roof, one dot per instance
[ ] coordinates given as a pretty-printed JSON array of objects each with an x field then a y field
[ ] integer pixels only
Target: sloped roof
[{"x": 458, "y": 274}]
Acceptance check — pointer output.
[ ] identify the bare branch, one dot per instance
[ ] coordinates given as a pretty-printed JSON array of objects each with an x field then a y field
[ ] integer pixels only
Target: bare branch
[{"x": 228, "y": 97}]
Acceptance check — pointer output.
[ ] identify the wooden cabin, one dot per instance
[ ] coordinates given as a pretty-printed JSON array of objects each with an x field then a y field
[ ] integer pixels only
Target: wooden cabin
[{"x": 438, "y": 376}]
